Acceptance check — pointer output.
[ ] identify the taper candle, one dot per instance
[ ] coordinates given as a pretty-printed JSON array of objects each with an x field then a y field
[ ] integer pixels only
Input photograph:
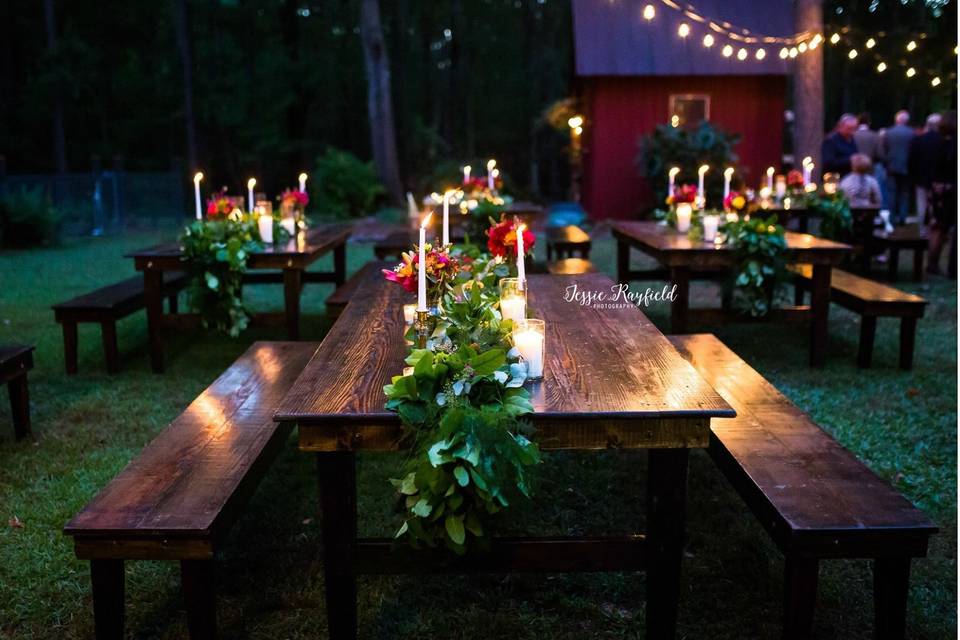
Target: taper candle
[
  {"x": 196, "y": 192},
  {"x": 521, "y": 269},
  {"x": 770, "y": 172},
  {"x": 727, "y": 177},
  {"x": 251, "y": 183},
  {"x": 303, "y": 182},
  {"x": 701, "y": 194},
  {"x": 422, "y": 267}
]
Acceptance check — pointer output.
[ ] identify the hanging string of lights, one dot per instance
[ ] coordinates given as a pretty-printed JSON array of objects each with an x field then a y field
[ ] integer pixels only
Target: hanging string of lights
[{"x": 745, "y": 44}]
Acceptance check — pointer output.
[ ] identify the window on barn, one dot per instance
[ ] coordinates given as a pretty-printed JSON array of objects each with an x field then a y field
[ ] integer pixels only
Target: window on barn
[{"x": 689, "y": 110}]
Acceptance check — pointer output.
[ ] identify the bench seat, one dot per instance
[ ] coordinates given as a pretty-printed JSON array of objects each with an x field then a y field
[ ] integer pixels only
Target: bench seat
[
  {"x": 871, "y": 300},
  {"x": 815, "y": 499},
  {"x": 338, "y": 300},
  {"x": 178, "y": 499},
  {"x": 105, "y": 306},
  {"x": 564, "y": 242},
  {"x": 15, "y": 361},
  {"x": 571, "y": 267}
]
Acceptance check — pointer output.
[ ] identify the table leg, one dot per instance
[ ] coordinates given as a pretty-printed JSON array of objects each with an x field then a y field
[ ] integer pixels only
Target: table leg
[
  {"x": 337, "y": 475},
  {"x": 893, "y": 265},
  {"x": 820, "y": 310},
  {"x": 292, "y": 287},
  {"x": 918, "y": 265},
  {"x": 680, "y": 277},
  {"x": 340, "y": 264},
  {"x": 803, "y": 223},
  {"x": 623, "y": 262},
  {"x": 199, "y": 595},
  {"x": 666, "y": 521},
  {"x": 20, "y": 405},
  {"x": 108, "y": 586},
  {"x": 891, "y": 586},
  {"x": 153, "y": 297}
]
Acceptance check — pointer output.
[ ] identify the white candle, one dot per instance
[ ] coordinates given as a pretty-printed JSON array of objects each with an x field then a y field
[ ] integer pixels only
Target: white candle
[
  {"x": 265, "y": 225},
  {"x": 530, "y": 345},
  {"x": 710, "y": 224},
  {"x": 493, "y": 182},
  {"x": 684, "y": 213},
  {"x": 770, "y": 178},
  {"x": 727, "y": 176},
  {"x": 409, "y": 311},
  {"x": 491, "y": 163},
  {"x": 513, "y": 308},
  {"x": 781, "y": 186},
  {"x": 446, "y": 216},
  {"x": 521, "y": 270},
  {"x": 196, "y": 192},
  {"x": 466, "y": 174},
  {"x": 701, "y": 194},
  {"x": 303, "y": 182},
  {"x": 422, "y": 267},
  {"x": 672, "y": 176},
  {"x": 251, "y": 183}
]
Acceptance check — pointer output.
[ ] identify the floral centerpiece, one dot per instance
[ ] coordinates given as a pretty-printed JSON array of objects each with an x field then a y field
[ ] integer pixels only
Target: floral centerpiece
[
  {"x": 293, "y": 204},
  {"x": 795, "y": 183},
  {"x": 736, "y": 202},
  {"x": 682, "y": 193},
  {"x": 222, "y": 206},
  {"x": 502, "y": 239},
  {"x": 442, "y": 270}
]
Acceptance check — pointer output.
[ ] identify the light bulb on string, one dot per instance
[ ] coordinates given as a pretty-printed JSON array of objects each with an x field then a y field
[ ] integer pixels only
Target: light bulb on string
[
  {"x": 784, "y": 52},
  {"x": 708, "y": 41},
  {"x": 793, "y": 52},
  {"x": 684, "y": 30},
  {"x": 649, "y": 12},
  {"x": 817, "y": 39},
  {"x": 760, "y": 54},
  {"x": 882, "y": 67},
  {"x": 935, "y": 82},
  {"x": 727, "y": 51},
  {"x": 802, "y": 47},
  {"x": 870, "y": 44},
  {"x": 852, "y": 54},
  {"x": 911, "y": 72},
  {"x": 742, "y": 54},
  {"x": 835, "y": 38},
  {"x": 911, "y": 45}
]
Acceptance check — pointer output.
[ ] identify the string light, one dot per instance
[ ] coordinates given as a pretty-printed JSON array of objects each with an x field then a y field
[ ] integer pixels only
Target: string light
[
  {"x": 882, "y": 67},
  {"x": 793, "y": 52},
  {"x": 852, "y": 54},
  {"x": 727, "y": 51},
  {"x": 684, "y": 30},
  {"x": 649, "y": 12},
  {"x": 814, "y": 43},
  {"x": 761, "y": 54},
  {"x": 911, "y": 45},
  {"x": 871, "y": 43},
  {"x": 784, "y": 52},
  {"x": 911, "y": 72},
  {"x": 935, "y": 82},
  {"x": 835, "y": 38},
  {"x": 742, "y": 54},
  {"x": 708, "y": 40},
  {"x": 802, "y": 47}
]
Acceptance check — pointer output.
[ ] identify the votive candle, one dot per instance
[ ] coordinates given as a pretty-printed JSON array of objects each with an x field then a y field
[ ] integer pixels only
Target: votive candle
[
  {"x": 513, "y": 299},
  {"x": 684, "y": 213},
  {"x": 710, "y": 224},
  {"x": 409, "y": 313},
  {"x": 265, "y": 225},
  {"x": 528, "y": 338}
]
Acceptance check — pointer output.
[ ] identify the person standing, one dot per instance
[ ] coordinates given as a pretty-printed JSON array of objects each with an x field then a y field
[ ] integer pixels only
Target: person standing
[
  {"x": 896, "y": 150},
  {"x": 944, "y": 194},
  {"x": 870, "y": 144},
  {"x": 922, "y": 163},
  {"x": 839, "y": 146}
]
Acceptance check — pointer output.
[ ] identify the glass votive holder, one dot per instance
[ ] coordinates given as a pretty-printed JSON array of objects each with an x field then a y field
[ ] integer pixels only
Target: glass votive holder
[
  {"x": 513, "y": 299},
  {"x": 409, "y": 313},
  {"x": 684, "y": 214},
  {"x": 710, "y": 225},
  {"x": 528, "y": 338}
]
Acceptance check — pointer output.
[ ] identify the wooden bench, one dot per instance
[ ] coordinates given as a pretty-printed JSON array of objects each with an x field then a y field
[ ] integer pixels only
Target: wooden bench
[
  {"x": 815, "y": 499},
  {"x": 567, "y": 241},
  {"x": 179, "y": 498},
  {"x": 871, "y": 300},
  {"x": 15, "y": 361},
  {"x": 105, "y": 306},
  {"x": 338, "y": 300},
  {"x": 571, "y": 267},
  {"x": 911, "y": 238}
]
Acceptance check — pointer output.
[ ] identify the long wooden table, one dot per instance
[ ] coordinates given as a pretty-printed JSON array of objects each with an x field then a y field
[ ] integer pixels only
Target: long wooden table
[
  {"x": 611, "y": 380},
  {"x": 288, "y": 263},
  {"x": 683, "y": 257}
]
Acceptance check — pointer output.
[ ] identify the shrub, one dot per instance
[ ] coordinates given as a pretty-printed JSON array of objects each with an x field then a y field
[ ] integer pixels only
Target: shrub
[
  {"x": 345, "y": 186},
  {"x": 28, "y": 219},
  {"x": 671, "y": 146}
]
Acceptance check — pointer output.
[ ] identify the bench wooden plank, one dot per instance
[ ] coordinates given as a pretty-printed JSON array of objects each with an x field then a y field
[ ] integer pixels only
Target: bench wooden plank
[
  {"x": 571, "y": 267},
  {"x": 123, "y": 296},
  {"x": 192, "y": 478},
  {"x": 859, "y": 293},
  {"x": 15, "y": 361},
  {"x": 565, "y": 241},
  {"x": 811, "y": 494}
]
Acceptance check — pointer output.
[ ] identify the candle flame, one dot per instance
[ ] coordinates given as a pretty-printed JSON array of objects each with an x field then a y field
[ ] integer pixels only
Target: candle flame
[
  {"x": 674, "y": 171},
  {"x": 426, "y": 221},
  {"x": 303, "y": 177},
  {"x": 728, "y": 172},
  {"x": 808, "y": 161},
  {"x": 770, "y": 171},
  {"x": 251, "y": 183},
  {"x": 491, "y": 163},
  {"x": 703, "y": 169},
  {"x": 197, "y": 178},
  {"x": 495, "y": 173}
]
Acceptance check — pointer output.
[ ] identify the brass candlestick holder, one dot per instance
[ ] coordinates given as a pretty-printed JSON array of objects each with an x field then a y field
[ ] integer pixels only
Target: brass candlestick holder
[{"x": 422, "y": 324}]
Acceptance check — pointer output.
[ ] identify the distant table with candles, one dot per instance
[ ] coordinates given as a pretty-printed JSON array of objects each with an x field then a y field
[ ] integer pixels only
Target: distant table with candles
[
  {"x": 279, "y": 263},
  {"x": 611, "y": 379},
  {"x": 684, "y": 257}
]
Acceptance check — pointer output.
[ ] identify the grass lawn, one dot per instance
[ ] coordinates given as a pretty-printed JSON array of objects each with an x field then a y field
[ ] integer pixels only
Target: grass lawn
[{"x": 88, "y": 426}]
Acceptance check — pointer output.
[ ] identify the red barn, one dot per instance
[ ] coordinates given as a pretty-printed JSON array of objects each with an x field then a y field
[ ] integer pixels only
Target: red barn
[{"x": 634, "y": 73}]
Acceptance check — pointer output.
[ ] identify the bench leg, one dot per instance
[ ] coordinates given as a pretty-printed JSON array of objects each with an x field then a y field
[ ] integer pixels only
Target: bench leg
[
  {"x": 893, "y": 265},
  {"x": 173, "y": 303},
  {"x": 340, "y": 264},
  {"x": 798, "y": 294},
  {"x": 868, "y": 330},
  {"x": 666, "y": 518},
  {"x": 20, "y": 405},
  {"x": 153, "y": 298},
  {"x": 918, "y": 265},
  {"x": 199, "y": 597},
  {"x": 292, "y": 287},
  {"x": 70, "y": 347},
  {"x": 108, "y": 333},
  {"x": 799, "y": 596},
  {"x": 680, "y": 276},
  {"x": 107, "y": 580},
  {"x": 337, "y": 474},
  {"x": 820, "y": 312},
  {"x": 891, "y": 582},
  {"x": 908, "y": 338}
]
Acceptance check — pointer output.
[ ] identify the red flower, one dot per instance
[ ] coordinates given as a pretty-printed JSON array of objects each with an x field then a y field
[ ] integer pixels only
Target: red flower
[
  {"x": 683, "y": 193},
  {"x": 502, "y": 239},
  {"x": 795, "y": 179},
  {"x": 441, "y": 267},
  {"x": 295, "y": 198},
  {"x": 219, "y": 207},
  {"x": 736, "y": 201}
]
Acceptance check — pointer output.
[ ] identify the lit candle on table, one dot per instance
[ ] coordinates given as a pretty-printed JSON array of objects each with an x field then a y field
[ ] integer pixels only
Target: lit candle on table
[
  {"x": 807, "y": 171},
  {"x": 491, "y": 163},
  {"x": 770, "y": 171},
  {"x": 265, "y": 225},
  {"x": 513, "y": 301},
  {"x": 196, "y": 192},
  {"x": 710, "y": 224},
  {"x": 684, "y": 213},
  {"x": 672, "y": 176},
  {"x": 303, "y": 182},
  {"x": 521, "y": 270},
  {"x": 466, "y": 174},
  {"x": 408, "y": 313},
  {"x": 251, "y": 183},
  {"x": 727, "y": 177},
  {"x": 701, "y": 194},
  {"x": 528, "y": 338},
  {"x": 781, "y": 186},
  {"x": 446, "y": 215},
  {"x": 422, "y": 267}
]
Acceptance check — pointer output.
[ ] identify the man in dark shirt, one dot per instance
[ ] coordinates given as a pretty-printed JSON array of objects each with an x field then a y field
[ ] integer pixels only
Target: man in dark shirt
[
  {"x": 839, "y": 146},
  {"x": 922, "y": 163}
]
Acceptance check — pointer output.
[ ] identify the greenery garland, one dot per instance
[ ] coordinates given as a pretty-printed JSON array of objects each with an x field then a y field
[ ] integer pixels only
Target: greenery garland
[
  {"x": 759, "y": 244},
  {"x": 461, "y": 406},
  {"x": 836, "y": 220},
  {"x": 215, "y": 252}
]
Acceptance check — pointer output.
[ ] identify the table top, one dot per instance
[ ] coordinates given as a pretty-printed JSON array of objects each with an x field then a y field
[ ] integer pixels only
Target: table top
[
  {"x": 309, "y": 244},
  {"x": 601, "y": 364},
  {"x": 663, "y": 239}
]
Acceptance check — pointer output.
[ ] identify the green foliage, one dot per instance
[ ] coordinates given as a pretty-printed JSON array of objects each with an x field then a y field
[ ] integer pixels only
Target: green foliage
[
  {"x": 344, "y": 185},
  {"x": 461, "y": 408},
  {"x": 480, "y": 218},
  {"x": 834, "y": 212},
  {"x": 216, "y": 252},
  {"x": 28, "y": 219},
  {"x": 688, "y": 149},
  {"x": 759, "y": 244}
]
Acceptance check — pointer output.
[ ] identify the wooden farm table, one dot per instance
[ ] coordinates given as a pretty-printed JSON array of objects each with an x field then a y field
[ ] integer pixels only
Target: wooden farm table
[
  {"x": 291, "y": 259},
  {"x": 612, "y": 380},
  {"x": 682, "y": 257}
]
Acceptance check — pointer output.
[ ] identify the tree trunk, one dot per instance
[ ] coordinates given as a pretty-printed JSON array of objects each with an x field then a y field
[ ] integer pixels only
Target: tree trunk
[
  {"x": 383, "y": 137},
  {"x": 808, "y": 86},
  {"x": 182, "y": 26},
  {"x": 59, "y": 136}
]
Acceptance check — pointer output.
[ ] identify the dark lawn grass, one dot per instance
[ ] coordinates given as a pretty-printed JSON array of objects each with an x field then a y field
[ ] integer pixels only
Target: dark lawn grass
[{"x": 87, "y": 427}]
